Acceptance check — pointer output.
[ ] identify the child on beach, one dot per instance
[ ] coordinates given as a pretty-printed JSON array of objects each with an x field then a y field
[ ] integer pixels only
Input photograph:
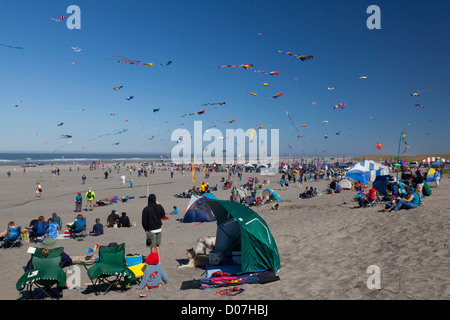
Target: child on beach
[
  {"x": 175, "y": 210},
  {"x": 97, "y": 229},
  {"x": 154, "y": 273}
]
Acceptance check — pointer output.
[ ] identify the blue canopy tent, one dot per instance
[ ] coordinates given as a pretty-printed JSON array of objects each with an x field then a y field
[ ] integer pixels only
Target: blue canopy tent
[{"x": 360, "y": 173}]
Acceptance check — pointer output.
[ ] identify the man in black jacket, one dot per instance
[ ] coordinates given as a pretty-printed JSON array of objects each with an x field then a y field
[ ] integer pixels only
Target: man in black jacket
[{"x": 152, "y": 216}]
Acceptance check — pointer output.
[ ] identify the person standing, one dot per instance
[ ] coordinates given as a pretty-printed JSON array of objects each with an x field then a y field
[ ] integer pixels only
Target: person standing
[
  {"x": 106, "y": 174},
  {"x": 437, "y": 178},
  {"x": 90, "y": 196},
  {"x": 78, "y": 202},
  {"x": 83, "y": 179},
  {"x": 152, "y": 216},
  {"x": 38, "y": 190}
]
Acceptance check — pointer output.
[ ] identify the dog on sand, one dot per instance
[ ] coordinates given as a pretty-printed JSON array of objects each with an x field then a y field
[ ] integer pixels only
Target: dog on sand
[{"x": 205, "y": 245}]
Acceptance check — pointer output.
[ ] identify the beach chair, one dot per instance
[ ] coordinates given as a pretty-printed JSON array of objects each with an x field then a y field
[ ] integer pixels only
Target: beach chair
[
  {"x": 58, "y": 222},
  {"x": 374, "y": 202},
  {"x": 12, "y": 238},
  {"x": 79, "y": 229},
  {"x": 111, "y": 269},
  {"x": 46, "y": 273}
]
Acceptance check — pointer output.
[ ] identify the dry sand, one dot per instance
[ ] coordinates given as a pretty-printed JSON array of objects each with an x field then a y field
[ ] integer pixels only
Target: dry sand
[{"x": 325, "y": 245}]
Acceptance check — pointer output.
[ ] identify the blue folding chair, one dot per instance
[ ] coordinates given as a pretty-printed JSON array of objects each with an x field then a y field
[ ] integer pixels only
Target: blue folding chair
[
  {"x": 39, "y": 232},
  {"x": 79, "y": 229},
  {"x": 12, "y": 238}
]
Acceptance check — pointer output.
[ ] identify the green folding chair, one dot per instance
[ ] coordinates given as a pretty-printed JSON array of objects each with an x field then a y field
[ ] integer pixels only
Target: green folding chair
[
  {"x": 46, "y": 273},
  {"x": 111, "y": 269}
]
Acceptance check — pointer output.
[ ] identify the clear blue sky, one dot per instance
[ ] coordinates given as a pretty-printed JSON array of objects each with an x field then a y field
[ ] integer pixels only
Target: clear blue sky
[{"x": 409, "y": 53}]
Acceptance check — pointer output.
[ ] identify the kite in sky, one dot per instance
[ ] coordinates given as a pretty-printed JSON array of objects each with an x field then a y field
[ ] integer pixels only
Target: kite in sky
[
  {"x": 379, "y": 146},
  {"x": 130, "y": 98},
  {"x": 265, "y": 84},
  {"x": 118, "y": 88},
  {"x": 292, "y": 121},
  {"x": 166, "y": 64},
  {"x": 59, "y": 19},
  {"x": 17, "y": 105},
  {"x": 65, "y": 136},
  {"x": 128, "y": 61},
  {"x": 324, "y": 122},
  {"x": 416, "y": 94},
  {"x": 116, "y": 143},
  {"x": 59, "y": 125},
  {"x": 76, "y": 49},
  {"x": 252, "y": 94},
  {"x": 245, "y": 66},
  {"x": 231, "y": 121},
  {"x": 419, "y": 105},
  {"x": 326, "y": 137},
  {"x": 303, "y": 58},
  {"x": 112, "y": 133},
  {"x": 362, "y": 78},
  {"x": 5, "y": 45},
  {"x": 272, "y": 73},
  {"x": 151, "y": 138},
  {"x": 277, "y": 96},
  {"x": 156, "y": 110},
  {"x": 191, "y": 114},
  {"x": 214, "y": 103},
  {"x": 338, "y": 133},
  {"x": 340, "y": 105},
  {"x": 332, "y": 88},
  {"x": 290, "y": 148},
  {"x": 260, "y": 33}
]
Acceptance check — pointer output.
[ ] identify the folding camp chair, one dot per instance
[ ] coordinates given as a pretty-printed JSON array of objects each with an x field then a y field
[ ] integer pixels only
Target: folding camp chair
[
  {"x": 39, "y": 232},
  {"x": 79, "y": 229},
  {"x": 111, "y": 269},
  {"x": 12, "y": 238},
  {"x": 45, "y": 274}
]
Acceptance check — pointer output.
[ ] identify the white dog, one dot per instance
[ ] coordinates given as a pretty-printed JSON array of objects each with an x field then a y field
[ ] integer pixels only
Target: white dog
[
  {"x": 205, "y": 244},
  {"x": 199, "y": 257}
]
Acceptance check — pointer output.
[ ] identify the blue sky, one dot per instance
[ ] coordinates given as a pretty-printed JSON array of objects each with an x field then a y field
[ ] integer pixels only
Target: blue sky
[{"x": 409, "y": 53}]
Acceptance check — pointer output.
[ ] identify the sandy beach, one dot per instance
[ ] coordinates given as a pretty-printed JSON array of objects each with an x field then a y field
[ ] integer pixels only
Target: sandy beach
[{"x": 326, "y": 243}]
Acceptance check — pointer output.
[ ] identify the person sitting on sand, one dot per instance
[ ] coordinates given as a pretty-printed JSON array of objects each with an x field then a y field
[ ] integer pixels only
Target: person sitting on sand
[
  {"x": 112, "y": 220},
  {"x": 364, "y": 201},
  {"x": 5, "y": 233},
  {"x": 275, "y": 206},
  {"x": 154, "y": 273},
  {"x": 410, "y": 201},
  {"x": 97, "y": 229},
  {"x": 175, "y": 210},
  {"x": 124, "y": 221}
]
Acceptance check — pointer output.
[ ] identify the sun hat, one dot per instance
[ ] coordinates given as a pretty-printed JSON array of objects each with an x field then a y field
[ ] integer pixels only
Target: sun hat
[{"x": 49, "y": 243}]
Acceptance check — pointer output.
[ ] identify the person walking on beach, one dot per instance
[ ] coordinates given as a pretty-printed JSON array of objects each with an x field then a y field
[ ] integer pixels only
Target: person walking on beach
[
  {"x": 90, "y": 196},
  {"x": 83, "y": 179},
  {"x": 78, "y": 202},
  {"x": 152, "y": 216},
  {"x": 38, "y": 190}
]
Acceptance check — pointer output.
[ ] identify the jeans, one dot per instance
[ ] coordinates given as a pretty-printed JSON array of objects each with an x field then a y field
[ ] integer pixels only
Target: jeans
[{"x": 402, "y": 204}]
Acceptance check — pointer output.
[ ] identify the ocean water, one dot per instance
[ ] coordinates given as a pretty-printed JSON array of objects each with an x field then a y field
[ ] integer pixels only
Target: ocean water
[{"x": 69, "y": 158}]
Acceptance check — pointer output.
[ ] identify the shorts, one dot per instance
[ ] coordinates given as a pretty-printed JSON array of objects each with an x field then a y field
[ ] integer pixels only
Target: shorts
[{"x": 155, "y": 239}]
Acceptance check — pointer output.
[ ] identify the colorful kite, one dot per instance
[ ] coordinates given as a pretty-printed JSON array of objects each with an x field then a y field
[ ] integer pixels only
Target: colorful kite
[
  {"x": 324, "y": 122},
  {"x": 419, "y": 105},
  {"x": 5, "y": 45},
  {"x": 416, "y": 94},
  {"x": 302, "y": 58},
  {"x": 191, "y": 114},
  {"x": 277, "y": 96},
  {"x": 362, "y": 78},
  {"x": 214, "y": 103},
  {"x": 118, "y": 88},
  {"x": 290, "y": 148},
  {"x": 59, "y": 19},
  {"x": 130, "y": 98},
  {"x": 292, "y": 121},
  {"x": 231, "y": 121},
  {"x": 245, "y": 66},
  {"x": 113, "y": 133},
  {"x": 151, "y": 138},
  {"x": 128, "y": 61},
  {"x": 260, "y": 33},
  {"x": 339, "y": 106},
  {"x": 265, "y": 84},
  {"x": 379, "y": 146},
  {"x": 252, "y": 94},
  {"x": 330, "y": 88},
  {"x": 166, "y": 64}
]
